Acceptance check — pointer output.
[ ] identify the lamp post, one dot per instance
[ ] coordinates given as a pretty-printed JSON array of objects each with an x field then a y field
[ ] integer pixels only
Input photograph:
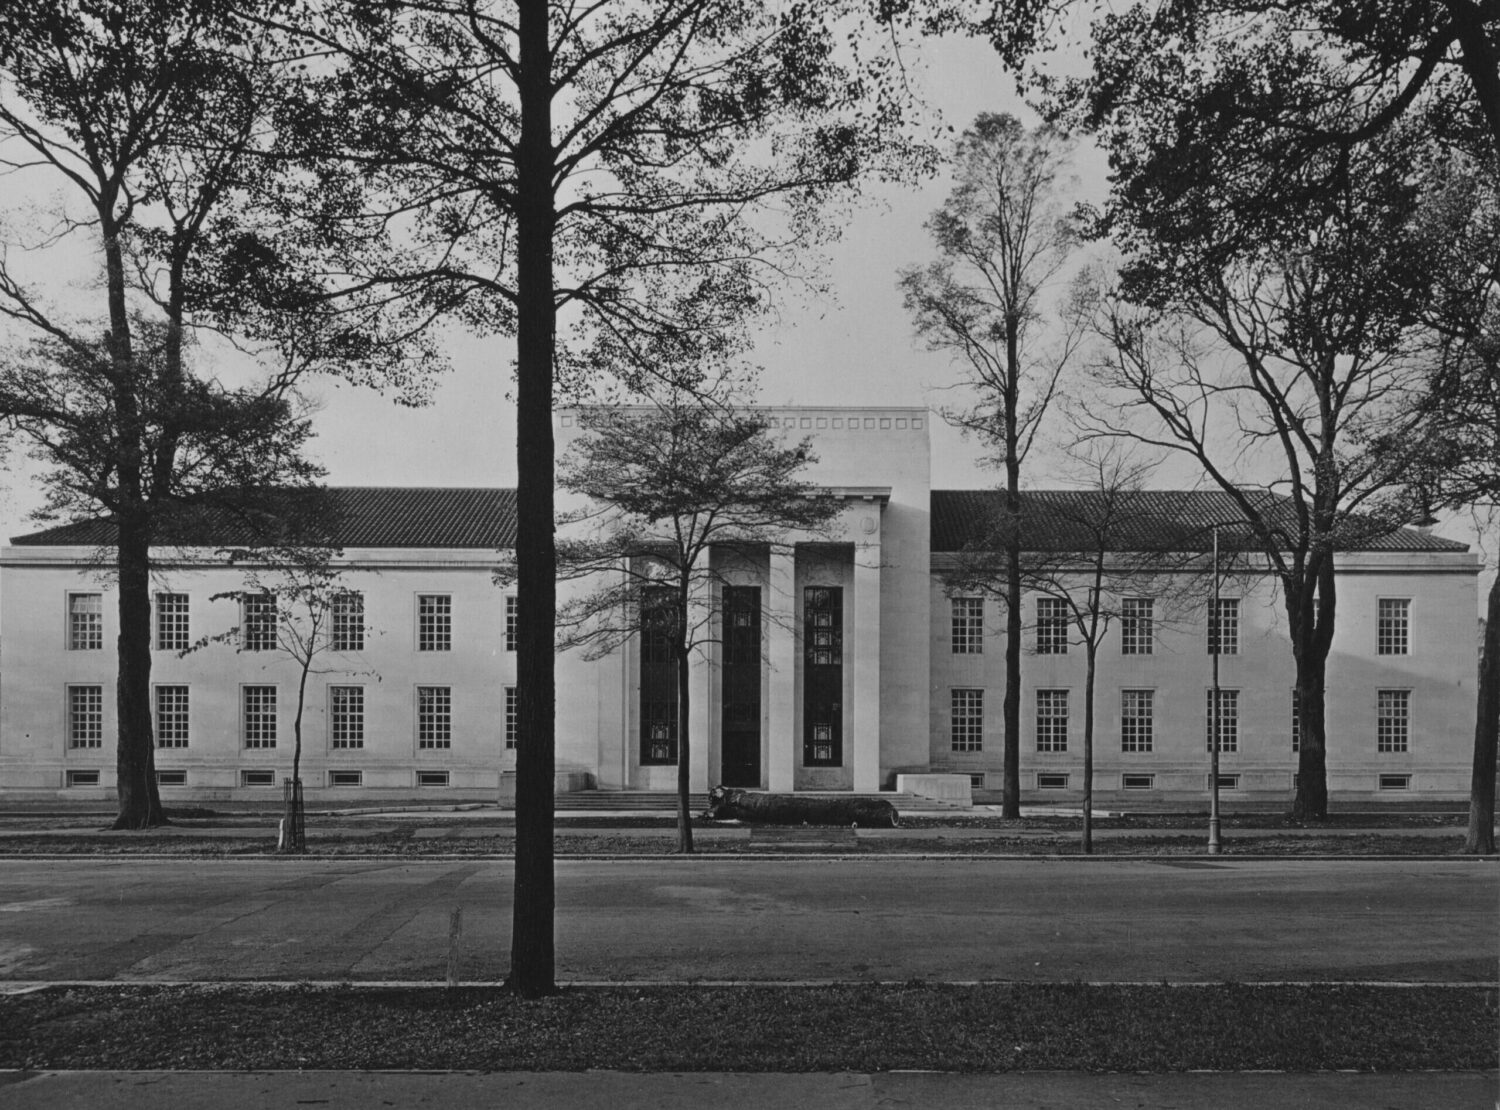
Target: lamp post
[{"x": 1214, "y": 642}]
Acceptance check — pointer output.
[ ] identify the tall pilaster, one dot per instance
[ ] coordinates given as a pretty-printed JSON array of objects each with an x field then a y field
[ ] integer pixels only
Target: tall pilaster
[
  {"x": 781, "y": 686},
  {"x": 866, "y": 657}
]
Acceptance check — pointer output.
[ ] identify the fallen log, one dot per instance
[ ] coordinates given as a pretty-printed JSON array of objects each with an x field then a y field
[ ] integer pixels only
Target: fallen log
[{"x": 726, "y": 804}]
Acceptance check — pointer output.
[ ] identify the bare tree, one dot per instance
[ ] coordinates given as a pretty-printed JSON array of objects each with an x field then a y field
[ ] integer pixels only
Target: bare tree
[
  {"x": 673, "y": 488},
  {"x": 1003, "y": 235}
]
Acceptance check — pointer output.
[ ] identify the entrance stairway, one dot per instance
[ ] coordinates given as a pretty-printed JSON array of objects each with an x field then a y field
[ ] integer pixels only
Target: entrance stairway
[{"x": 657, "y": 801}]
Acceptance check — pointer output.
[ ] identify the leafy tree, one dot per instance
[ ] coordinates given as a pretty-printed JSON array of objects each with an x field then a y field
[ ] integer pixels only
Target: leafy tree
[
  {"x": 673, "y": 489},
  {"x": 309, "y": 615},
  {"x": 1002, "y": 236},
  {"x": 149, "y": 115},
  {"x": 615, "y": 162}
]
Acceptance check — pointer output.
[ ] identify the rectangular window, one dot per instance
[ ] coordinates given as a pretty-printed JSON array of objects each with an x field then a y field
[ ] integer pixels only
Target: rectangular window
[
  {"x": 432, "y": 778},
  {"x": 258, "y": 622},
  {"x": 1393, "y": 634},
  {"x": 511, "y": 717},
  {"x": 346, "y": 778},
  {"x": 171, "y": 622},
  {"x": 259, "y": 716},
  {"x": 658, "y": 618},
  {"x": 257, "y": 778},
  {"x": 83, "y": 778},
  {"x": 1395, "y": 782},
  {"x": 1296, "y": 721},
  {"x": 1137, "y": 625},
  {"x": 1137, "y": 782},
  {"x": 171, "y": 716},
  {"x": 1051, "y": 626},
  {"x": 1224, "y": 627},
  {"x": 85, "y": 716},
  {"x": 346, "y": 717},
  {"x": 85, "y": 622},
  {"x": 1226, "y": 782},
  {"x": 968, "y": 720},
  {"x": 434, "y": 717},
  {"x": 348, "y": 621},
  {"x": 968, "y": 626},
  {"x": 1229, "y": 720},
  {"x": 171, "y": 778},
  {"x": 511, "y": 617},
  {"x": 434, "y": 622},
  {"x": 1392, "y": 720},
  {"x": 1051, "y": 720},
  {"x": 1137, "y": 720},
  {"x": 1051, "y": 781}
]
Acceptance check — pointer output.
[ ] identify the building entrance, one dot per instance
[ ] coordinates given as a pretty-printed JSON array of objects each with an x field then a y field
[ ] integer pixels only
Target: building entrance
[{"x": 739, "y": 751}]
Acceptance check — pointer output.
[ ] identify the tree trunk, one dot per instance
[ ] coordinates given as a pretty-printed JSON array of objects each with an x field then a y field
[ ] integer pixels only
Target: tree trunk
[
  {"x": 1311, "y": 618},
  {"x": 296, "y": 839},
  {"x": 1480, "y": 839},
  {"x": 135, "y": 758},
  {"x": 1010, "y": 800},
  {"x": 684, "y": 818},
  {"x": 1088, "y": 750},
  {"x": 532, "y": 952}
]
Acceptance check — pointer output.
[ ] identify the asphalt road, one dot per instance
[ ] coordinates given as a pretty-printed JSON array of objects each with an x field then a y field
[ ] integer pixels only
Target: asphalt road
[{"x": 1138, "y": 920}]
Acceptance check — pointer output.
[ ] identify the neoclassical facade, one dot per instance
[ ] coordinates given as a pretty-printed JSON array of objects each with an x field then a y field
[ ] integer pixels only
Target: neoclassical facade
[{"x": 840, "y": 661}]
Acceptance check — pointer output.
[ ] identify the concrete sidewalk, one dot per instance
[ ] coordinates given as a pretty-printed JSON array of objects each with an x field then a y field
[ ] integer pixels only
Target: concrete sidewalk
[{"x": 358, "y": 1090}]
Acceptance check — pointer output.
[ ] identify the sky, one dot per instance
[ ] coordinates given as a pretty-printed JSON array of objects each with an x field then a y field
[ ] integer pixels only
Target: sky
[{"x": 855, "y": 346}]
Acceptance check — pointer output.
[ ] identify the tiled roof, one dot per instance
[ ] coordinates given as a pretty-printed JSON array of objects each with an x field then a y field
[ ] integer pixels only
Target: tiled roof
[
  {"x": 1060, "y": 520},
  {"x": 351, "y": 516}
]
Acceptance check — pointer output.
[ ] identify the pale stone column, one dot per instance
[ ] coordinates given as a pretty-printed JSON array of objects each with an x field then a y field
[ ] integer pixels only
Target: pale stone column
[
  {"x": 780, "y": 622},
  {"x": 865, "y": 642},
  {"x": 700, "y": 679}
]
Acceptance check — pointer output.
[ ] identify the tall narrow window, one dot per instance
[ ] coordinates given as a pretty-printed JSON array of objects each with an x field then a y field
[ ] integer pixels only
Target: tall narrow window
[
  {"x": 1051, "y": 626},
  {"x": 348, "y": 621},
  {"x": 968, "y": 720},
  {"x": 1229, "y": 720},
  {"x": 1393, "y": 634},
  {"x": 823, "y": 676},
  {"x": 258, "y": 717},
  {"x": 968, "y": 626},
  {"x": 512, "y": 717},
  {"x": 171, "y": 716},
  {"x": 1224, "y": 627},
  {"x": 658, "y": 676},
  {"x": 511, "y": 628},
  {"x": 1392, "y": 720},
  {"x": 1137, "y": 720},
  {"x": 434, "y": 717},
  {"x": 258, "y": 622},
  {"x": 85, "y": 622},
  {"x": 434, "y": 622},
  {"x": 171, "y": 622},
  {"x": 346, "y": 717},
  {"x": 1051, "y": 720},
  {"x": 1137, "y": 625},
  {"x": 85, "y": 716}
]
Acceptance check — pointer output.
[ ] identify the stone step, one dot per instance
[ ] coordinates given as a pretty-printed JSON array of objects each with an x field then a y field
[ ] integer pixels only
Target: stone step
[{"x": 660, "y": 801}]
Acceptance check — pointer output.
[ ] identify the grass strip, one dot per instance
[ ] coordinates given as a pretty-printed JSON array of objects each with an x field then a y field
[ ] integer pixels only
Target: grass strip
[
  {"x": 403, "y": 844},
  {"x": 860, "y": 1028}
]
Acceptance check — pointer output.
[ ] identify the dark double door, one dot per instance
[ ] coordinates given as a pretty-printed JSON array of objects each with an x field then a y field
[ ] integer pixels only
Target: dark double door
[{"x": 740, "y": 729}]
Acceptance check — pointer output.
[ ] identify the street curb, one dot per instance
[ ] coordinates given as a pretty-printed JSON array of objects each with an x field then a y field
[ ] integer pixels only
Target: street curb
[{"x": 758, "y": 857}]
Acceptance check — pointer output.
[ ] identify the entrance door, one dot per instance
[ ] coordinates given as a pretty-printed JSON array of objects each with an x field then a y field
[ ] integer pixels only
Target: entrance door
[{"x": 739, "y": 750}]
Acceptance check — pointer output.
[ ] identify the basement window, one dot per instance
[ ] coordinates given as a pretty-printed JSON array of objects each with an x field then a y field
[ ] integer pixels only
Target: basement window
[
  {"x": 432, "y": 778},
  {"x": 1395, "y": 782},
  {"x": 257, "y": 778},
  {"x": 1227, "y": 782},
  {"x": 171, "y": 778},
  {"x": 83, "y": 778},
  {"x": 346, "y": 778},
  {"x": 1051, "y": 782},
  {"x": 1137, "y": 782},
  {"x": 976, "y": 781}
]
